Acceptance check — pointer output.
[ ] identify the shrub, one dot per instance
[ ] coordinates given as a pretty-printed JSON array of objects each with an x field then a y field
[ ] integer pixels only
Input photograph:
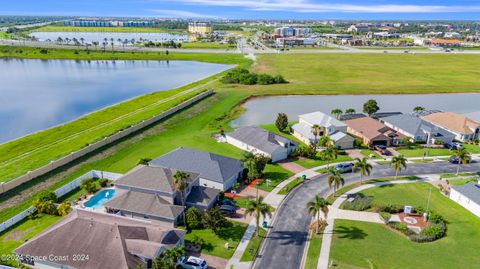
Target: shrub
[
  {"x": 47, "y": 196},
  {"x": 401, "y": 227},
  {"x": 430, "y": 233},
  {"x": 304, "y": 151},
  {"x": 390, "y": 208},
  {"x": 64, "y": 208},
  {"x": 46, "y": 207},
  {"x": 103, "y": 182},
  {"x": 89, "y": 185},
  {"x": 385, "y": 216},
  {"x": 213, "y": 219},
  {"x": 194, "y": 218},
  {"x": 361, "y": 202},
  {"x": 243, "y": 76}
]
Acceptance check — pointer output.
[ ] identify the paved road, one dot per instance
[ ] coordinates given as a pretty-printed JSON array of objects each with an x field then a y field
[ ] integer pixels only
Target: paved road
[{"x": 285, "y": 244}]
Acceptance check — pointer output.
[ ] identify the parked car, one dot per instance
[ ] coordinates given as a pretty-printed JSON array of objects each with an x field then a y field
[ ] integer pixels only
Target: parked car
[
  {"x": 192, "y": 263},
  {"x": 228, "y": 202},
  {"x": 228, "y": 210},
  {"x": 382, "y": 149},
  {"x": 453, "y": 146},
  {"x": 343, "y": 167},
  {"x": 455, "y": 160}
]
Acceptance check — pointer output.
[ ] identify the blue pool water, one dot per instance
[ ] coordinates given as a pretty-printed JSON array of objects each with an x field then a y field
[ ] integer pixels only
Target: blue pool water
[{"x": 97, "y": 201}]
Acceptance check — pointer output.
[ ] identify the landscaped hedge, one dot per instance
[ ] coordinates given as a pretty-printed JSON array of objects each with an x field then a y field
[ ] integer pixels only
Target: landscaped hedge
[
  {"x": 361, "y": 202},
  {"x": 245, "y": 77}
]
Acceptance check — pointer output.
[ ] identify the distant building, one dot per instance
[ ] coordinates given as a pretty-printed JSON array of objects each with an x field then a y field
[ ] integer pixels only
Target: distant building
[
  {"x": 101, "y": 23},
  {"x": 452, "y": 35},
  {"x": 465, "y": 129},
  {"x": 356, "y": 28},
  {"x": 382, "y": 35},
  {"x": 446, "y": 42},
  {"x": 288, "y": 31},
  {"x": 200, "y": 29}
]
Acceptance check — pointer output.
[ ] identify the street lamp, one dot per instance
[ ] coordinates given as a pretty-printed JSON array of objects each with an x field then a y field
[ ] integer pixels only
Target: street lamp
[{"x": 425, "y": 215}]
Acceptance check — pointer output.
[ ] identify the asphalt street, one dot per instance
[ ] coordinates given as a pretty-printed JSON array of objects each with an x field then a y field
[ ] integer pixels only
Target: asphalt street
[{"x": 285, "y": 244}]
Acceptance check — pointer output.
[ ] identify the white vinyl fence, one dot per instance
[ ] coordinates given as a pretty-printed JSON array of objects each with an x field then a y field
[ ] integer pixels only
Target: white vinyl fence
[
  {"x": 4, "y": 187},
  {"x": 59, "y": 193}
]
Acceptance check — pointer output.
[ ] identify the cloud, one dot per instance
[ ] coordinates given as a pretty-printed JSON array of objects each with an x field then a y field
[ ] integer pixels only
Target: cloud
[
  {"x": 305, "y": 6},
  {"x": 174, "y": 13}
]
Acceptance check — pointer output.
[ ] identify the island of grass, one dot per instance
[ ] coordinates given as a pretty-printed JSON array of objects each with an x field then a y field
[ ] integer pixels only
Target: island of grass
[{"x": 356, "y": 242}]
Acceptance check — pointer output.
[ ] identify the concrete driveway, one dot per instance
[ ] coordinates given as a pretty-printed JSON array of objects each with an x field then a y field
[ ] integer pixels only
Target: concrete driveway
[{"x": 285, "y": 243}]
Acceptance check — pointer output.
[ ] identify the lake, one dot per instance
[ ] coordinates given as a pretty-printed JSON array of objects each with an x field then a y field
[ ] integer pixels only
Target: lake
[
  {"x": 37, "y": 94},
  {"x": 265, "y": 109},
  {"x": 90, "y": 37}
]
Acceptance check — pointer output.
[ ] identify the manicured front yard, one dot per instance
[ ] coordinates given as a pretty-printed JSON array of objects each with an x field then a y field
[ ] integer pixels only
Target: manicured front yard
[
  {"x": 291, "y": 185},
  {"x": 473, "y": 149},
  {"x": 313, "y": 252},
  {"x": 421, "y": 151},
  {"x": 214, "y": 243},
  {"x": 276, "y": 174},
  {"x": 368, "y": 152},
  {"x": 310, "y": 163},
  {"x": 253, "y": 245},
  {"x": 18, "y": 234},
  {"x": 354, "y": 242}
]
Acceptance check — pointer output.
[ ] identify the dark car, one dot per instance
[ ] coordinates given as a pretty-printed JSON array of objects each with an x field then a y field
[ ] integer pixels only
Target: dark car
[
  {"x": 228, "y": 202},
  {"x": 455, "y": 160},
  {"x": 228, "y": 210},
  {"x": 453, "y": 146},
  {"x": 344, "y": 167},
  {"x": 382, "y": 149}
]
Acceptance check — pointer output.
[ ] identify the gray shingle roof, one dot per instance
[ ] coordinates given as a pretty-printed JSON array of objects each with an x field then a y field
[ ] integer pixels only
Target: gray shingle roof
[
  {"x": 202, "y": 195},
  {"x": 151, "y": 178},
  {"x": 145, "y": 204},
  {"x": 259, "y": 138},
  {"x": 470, "y": 190},
  {"x": 321, "y": 119},
  {"x": 304, "y": 129},
  {"x": 416, "y": 126},
  {"x": 103, "y": 237},
  {"x": 209, "y": 165}
]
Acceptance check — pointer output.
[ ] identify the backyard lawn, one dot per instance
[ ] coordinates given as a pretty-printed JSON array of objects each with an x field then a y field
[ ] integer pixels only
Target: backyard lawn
[
  {"x": 15, "y": 236},
  {"x": 354, "y": 242},
  {"x": 214, "y": 243}
]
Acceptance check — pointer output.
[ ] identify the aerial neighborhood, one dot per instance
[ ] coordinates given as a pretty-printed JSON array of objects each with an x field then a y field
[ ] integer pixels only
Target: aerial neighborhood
[{"x": 195, "y": 134}]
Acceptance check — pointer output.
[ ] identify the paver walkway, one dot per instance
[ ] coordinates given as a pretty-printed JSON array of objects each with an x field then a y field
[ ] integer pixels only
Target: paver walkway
[{"x": 292, "y": 166}]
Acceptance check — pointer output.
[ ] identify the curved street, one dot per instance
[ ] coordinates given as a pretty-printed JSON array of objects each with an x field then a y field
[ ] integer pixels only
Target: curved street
[{"x": 285, "y": 244}]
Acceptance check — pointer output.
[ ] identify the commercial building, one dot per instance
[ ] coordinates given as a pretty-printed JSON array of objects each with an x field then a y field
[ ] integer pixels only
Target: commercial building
[
  {"x": 200, "y": 28},
  {"x": 101, "y": 23}
]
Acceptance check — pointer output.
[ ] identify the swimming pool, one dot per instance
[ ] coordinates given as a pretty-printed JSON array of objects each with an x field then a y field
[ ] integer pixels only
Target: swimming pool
[{"x": 97, "y": 201}]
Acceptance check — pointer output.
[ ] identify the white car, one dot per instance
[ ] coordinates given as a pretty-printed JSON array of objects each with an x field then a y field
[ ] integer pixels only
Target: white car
[{"x": 192, "y": 263}]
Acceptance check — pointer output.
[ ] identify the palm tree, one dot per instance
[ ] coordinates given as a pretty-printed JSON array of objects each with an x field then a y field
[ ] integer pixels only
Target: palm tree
[
  {"x": 258, "y": 208},
  {"x": 329, "y": 154},
  {"x": 337, "y": 112},
  {"x": 325, "y": 141},
  {"x": 316, "y": 131},
  {"x": 461, "y": 156},
  {"x": 335, "y": 179},
  {"x": 398, "y": 162},
  {"x": 363, "y": 166},
  {"x": 350, "y": 111},
  {"x": 418, "y": 109},
  {"x": 315, "y": 206},
  {"x": 181, "y": 184},
  {"x": 82, "y": 40}
]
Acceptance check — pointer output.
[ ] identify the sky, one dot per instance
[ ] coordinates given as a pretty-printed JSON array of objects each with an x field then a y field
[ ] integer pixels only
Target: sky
[{"x": 252, "y": 9}]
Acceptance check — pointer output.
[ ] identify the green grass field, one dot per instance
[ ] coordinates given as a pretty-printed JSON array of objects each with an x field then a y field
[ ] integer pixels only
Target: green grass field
[
  {"x": 214, "y": 243},
  {"x": 311, "y": 163},
  {"x": 290, "y": 186},
  {"x": 354, "y": 242},
  {"x": 420, "y": 152},
  {"x": 61, "y": 28},
  {"x": 254, "y": 244},
  {"x": 18, "y": 234},
  {"x": 313, "y": 252},
  {"x": 205, "y": 45},
  {"x": 276, "y": 174}
]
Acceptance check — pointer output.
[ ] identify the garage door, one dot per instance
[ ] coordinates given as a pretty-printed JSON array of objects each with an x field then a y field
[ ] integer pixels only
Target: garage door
[{"x": 380, "y": 143}]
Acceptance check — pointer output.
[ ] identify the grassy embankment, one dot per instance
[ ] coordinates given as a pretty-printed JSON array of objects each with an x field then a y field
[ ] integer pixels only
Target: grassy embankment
[
  {"x": 318, "y": 74},
  {"x": 61, "y": 28},
  {"x": 354, "y": 242}
]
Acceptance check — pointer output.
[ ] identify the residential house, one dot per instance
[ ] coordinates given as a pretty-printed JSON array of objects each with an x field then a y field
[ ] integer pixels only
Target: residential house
[
  {"x": 93, "y": 240},
  {"x": 417, "y": 129},
  {"x": 260, "y": 141},
  {"x": 463, "y": 128},
  {"x": 215, "y": 171},
  {"x": 468, "y": 196},
  {"x": 148, "y": 192},
  {"x": 330, "y": 126},
  {"x": 372, "y": 132}
]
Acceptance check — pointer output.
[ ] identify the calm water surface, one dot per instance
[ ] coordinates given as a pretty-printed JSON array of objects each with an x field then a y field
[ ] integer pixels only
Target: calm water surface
[
  {"x": 90, "y": 37},
  {"x": 265, "y": 109},
  {"x": 37, "y": 94}
]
